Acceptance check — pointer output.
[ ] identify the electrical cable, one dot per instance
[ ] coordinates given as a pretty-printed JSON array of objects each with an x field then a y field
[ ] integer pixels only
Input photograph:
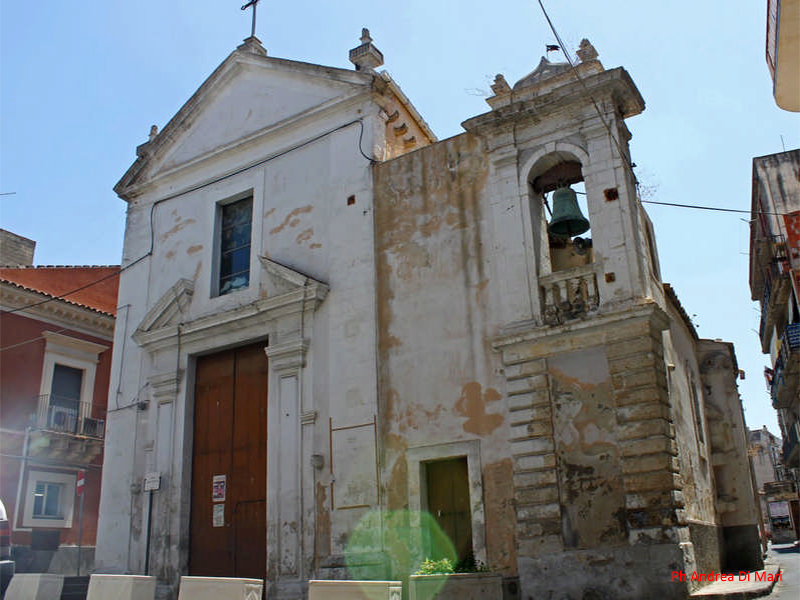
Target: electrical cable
[
  {"x": 715, "y": 208},
  {"x": 621, "y": 154},
  {"x": 258, "y": 163},
  {"x": 63, "y": 296}
]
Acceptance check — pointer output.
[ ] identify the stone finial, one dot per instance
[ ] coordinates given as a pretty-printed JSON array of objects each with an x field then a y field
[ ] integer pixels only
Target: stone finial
[
  {"x": 586, "y": 51},
  {"x": 366, "y": 57},
  {"x": 500, "y": 85},
  {"x": 153, "y": 132}
]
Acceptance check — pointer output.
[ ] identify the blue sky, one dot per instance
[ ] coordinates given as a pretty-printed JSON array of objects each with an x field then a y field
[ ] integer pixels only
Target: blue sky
[{"x": 81, "y": 84}]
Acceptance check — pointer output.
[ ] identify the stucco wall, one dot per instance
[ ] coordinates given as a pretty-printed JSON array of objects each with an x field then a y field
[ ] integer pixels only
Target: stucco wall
[
  {"x": 437, "y": 313},
  {"x": 312, "y": 213}
]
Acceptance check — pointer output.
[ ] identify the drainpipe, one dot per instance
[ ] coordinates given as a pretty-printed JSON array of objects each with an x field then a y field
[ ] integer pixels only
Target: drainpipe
[{"x": 22, "y": 470}]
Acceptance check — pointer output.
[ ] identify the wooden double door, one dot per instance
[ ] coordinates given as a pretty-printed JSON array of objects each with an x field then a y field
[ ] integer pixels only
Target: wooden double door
[{"x": 229, "y": 465}]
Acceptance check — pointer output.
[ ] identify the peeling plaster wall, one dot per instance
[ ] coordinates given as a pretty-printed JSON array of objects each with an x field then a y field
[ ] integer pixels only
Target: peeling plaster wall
[
  {"x": 590, "y": 485},
  {"x": 736, "y": 498},
  {"x": 691, "y": 436},
  {"x": 437, "y": 312}
]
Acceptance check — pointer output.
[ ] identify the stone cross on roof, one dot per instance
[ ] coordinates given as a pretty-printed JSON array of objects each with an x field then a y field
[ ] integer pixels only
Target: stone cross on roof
[{"x": 252, "y": 3}]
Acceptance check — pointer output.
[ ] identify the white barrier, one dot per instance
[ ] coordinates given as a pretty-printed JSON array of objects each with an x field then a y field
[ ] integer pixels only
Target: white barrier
[
  {"x": 34, "y": 586},
  {"x": 219, "y": 588},
  {"x": 354, "y": 590},
  {"x": 121, "y": 587}
]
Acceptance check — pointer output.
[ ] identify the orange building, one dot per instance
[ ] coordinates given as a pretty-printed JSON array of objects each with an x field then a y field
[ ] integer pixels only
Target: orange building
[{"x": 56, "y": 332}]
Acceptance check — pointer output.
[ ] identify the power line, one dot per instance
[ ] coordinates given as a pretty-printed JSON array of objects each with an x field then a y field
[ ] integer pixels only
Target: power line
[
  {"x": 621, "y": 154},
  {"x": 75, "y": 291},
  {"x": 190, "y": 190},
  {"x": 715, "y": 208}
]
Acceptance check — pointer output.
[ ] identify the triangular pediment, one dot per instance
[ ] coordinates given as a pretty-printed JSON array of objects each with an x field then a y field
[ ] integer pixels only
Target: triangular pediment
[
  {"x": 248, "y": 95},
  {"x": 168, "y": 311},
  {"x": 279, "y": 279}
]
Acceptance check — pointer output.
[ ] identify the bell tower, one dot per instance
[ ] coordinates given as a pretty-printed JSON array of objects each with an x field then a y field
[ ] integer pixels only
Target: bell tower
[
  {"x": 596, "y": 477},
  {"x": 560, "y": 133}
]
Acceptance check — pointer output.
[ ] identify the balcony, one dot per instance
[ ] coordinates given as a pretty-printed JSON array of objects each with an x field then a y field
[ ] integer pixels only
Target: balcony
[
  {"x": 67, "y": 430},
  {"x": 787, "y": 369},
  {"x": 780, "y": 490},
  {"x": 569, "y": 294},
  {"x": 777, "y": 286},
  {"x": 791, "y": 449}
]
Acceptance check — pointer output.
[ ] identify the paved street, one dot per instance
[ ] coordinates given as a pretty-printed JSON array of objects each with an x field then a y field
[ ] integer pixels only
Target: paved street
[{"x": 788, "y": 557}]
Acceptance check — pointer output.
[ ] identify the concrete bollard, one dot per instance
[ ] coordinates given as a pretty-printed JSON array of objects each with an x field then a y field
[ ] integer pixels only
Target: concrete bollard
[
  {"x": 354, "y": 590},
  {"x": 121, "y": 587},
  {"x": 34, "y": 586},
  {"x": 219, "y": 588}
]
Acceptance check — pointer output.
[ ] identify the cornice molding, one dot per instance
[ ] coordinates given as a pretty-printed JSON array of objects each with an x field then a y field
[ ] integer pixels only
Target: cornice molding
[
  {"x": 600, "y": 329},
  {"x": 57, "y": 311},
  {"x": 274, "y": 131}
]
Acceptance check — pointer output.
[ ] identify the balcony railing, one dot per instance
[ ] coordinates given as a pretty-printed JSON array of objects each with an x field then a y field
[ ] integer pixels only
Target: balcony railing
[
  {"x": 774, "y": 293},
  {"x": 569, "y": 294},
  {"x": 787, "y": 368},
  {"x": 65, "y": 415},
  {"x": 791, "y": 456},
  {"x": 791, "y": 340}
]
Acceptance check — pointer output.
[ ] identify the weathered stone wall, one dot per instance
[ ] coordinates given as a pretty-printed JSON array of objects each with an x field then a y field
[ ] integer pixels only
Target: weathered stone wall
[
  {"x": 438, "y": 382},
  {"x": 691, "y": 437},
  {"x": 736, "y": 498},
  {"x": 597, "y": 487},
  {"x": 15, "y": 250}
]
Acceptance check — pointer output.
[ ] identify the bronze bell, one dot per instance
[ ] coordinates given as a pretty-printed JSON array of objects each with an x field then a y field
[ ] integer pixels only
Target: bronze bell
[{"x": 567, "y": 220}]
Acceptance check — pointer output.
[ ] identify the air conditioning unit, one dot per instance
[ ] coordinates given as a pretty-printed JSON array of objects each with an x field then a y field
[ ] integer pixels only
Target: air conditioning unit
[
  {"x": 61, "y": 418},
  {"x": 93, "y": 427}
]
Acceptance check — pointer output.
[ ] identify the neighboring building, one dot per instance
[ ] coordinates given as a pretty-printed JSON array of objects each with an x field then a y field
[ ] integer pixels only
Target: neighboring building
[
  {"x": 348, "y": 336},
  {"x": 55, "y": 360},
  {"x": 783, "y": 52},
  {"x": 777, "y": 494},
  {"x": 765, "y": 450},
  {"x": 775, "y": 282}
]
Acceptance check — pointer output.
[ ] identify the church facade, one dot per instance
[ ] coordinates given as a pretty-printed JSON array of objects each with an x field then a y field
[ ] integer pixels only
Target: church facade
[{"x": 348, "y": 346}]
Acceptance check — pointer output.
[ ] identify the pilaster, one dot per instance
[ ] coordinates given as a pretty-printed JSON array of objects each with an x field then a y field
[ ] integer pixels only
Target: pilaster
[{"x": 285, "y": 522}]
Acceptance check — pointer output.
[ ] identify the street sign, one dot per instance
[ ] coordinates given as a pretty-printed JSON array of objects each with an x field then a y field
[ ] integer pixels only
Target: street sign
[
  {"x": 152, "y": 481},
  {"x": 81, "y": 483}
]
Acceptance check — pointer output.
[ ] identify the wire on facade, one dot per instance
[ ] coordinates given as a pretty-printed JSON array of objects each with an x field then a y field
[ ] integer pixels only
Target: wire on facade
[
  {"x": 184, "y": 192},
  {"x": 564, "y": 50}
]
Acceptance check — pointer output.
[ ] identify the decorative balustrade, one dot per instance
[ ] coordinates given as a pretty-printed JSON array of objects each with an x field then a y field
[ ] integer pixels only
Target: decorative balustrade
[
  {"x": 569, "y": 294},
  {"x": 65, "y": 415}
]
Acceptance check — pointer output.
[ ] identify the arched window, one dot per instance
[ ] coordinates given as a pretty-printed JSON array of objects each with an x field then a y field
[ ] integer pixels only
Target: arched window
[{"x": 562, "y": 237}]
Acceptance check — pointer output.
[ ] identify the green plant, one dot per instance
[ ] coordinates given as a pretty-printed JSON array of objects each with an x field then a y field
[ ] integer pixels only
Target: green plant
[
  {"x": 443, "y": 566},
  {"x": 468, "y": 564}
]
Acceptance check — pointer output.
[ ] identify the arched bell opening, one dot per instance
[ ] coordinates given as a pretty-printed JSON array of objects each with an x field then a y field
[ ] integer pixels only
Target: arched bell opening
[
  {"x": 558, "y": 185},
  {"x": 562, "y": 237}
]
